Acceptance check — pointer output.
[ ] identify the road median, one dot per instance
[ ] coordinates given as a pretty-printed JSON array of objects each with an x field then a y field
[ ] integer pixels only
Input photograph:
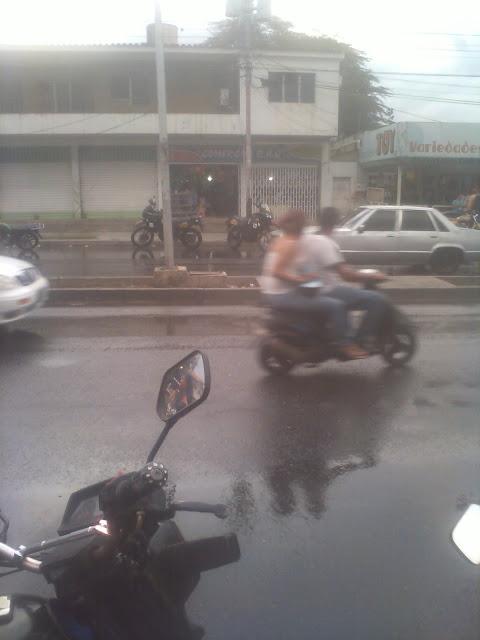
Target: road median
[{"x": 237, "y": 290}]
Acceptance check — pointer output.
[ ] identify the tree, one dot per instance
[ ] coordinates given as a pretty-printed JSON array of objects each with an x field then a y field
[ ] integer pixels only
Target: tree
[{"x": 361, "y": 96}]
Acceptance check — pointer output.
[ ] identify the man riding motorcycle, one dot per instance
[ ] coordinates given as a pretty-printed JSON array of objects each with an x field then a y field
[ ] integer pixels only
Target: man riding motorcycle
[
  {"x": 296, "y": 258},
  {"x": 334, "y": 270}
]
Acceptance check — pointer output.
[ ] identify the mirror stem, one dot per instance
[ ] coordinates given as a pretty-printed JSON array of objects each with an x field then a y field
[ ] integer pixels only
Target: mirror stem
[{"x": 161, "y": 438}]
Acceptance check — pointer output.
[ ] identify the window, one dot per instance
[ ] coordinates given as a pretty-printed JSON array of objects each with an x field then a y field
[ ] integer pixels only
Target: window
[
  {"x": 416, "y": 220},
  {"x": 381, "y": 220},
  {"x": 440, "y": 224},
  {"x": 135, "y": 89},
  {"x": 291, "y": 87}
]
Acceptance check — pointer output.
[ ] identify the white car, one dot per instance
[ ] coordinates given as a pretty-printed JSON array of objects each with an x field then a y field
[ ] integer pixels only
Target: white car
[
  {"x": 22, "y": 289},
  {"x": 406, "y": 235}
]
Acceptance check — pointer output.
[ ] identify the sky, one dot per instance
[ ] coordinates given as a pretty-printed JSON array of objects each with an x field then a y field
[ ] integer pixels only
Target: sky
[{"x": 414, "y": 36}]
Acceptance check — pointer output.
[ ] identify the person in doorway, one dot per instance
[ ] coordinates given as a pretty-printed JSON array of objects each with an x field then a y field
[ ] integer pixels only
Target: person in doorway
[
  {"x": 287, "y": 265},
  {"x": 334, "y": 271}
]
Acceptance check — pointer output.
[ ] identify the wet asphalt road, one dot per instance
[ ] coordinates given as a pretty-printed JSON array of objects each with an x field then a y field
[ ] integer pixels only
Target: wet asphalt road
[
  {"x": 90, "y": 260},
  {"x": 344, "y": 482}
]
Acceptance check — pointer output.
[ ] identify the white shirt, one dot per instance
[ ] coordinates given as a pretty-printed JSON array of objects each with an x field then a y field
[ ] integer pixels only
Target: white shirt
[
  {"x": 323, "y": 254},
  {"x": 316, "y": 254}
]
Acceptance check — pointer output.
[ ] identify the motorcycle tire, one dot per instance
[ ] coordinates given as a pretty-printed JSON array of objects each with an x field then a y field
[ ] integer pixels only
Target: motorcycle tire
[
  {"x": 27, "y": 240},
  {"x": 400, "y": 346},
  {"x": 272, "y": 361},
  {"x": 264, "y": 240},
  {"x": 191, "y": 238},
  {"x": 234, "y": 238},
  {"x": 142, "y": 236}
]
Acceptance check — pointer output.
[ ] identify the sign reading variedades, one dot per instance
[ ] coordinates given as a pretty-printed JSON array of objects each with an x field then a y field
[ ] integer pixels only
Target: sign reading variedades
[{"x": 426, "y": 140}]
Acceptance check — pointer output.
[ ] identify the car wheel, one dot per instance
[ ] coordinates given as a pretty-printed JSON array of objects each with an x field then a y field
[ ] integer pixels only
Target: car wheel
[{"x": 446, "y": 261}]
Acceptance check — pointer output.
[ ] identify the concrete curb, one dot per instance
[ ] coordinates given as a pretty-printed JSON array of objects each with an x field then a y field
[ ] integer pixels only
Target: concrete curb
[{"x": 228, "y": 297}]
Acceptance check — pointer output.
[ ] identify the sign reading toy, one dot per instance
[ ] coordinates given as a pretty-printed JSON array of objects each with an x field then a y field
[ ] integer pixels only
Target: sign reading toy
[{"x": 386, "y": 143}]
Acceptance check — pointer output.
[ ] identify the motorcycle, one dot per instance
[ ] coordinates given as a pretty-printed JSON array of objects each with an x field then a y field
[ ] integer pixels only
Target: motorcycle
[
  {"x": 468, "y": 220},
  {"x": 255, "y": 228},
  {"x": 120, "y": 567},
  {"x": 292, "y": 339},
  {"x": 26, "y": 237},
  {"x": 188, "y": 230}
]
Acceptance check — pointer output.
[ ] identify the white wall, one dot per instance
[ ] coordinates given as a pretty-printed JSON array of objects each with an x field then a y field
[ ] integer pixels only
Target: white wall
[
  {"x": 112, "y": 124},
  {"x": 275, "y": 118}
]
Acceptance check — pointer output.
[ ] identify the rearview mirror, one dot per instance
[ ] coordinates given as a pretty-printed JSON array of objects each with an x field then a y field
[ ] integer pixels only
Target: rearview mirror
[
  {"x": 184, "y": 386},
  {"x": 361, "y": 228},
  {"x": 466, "y": 534}
]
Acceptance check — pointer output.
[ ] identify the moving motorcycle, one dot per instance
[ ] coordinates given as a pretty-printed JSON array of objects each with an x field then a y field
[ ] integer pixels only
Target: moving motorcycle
[
  {"x": 120, "y": 567},
  {"x": 468, "y": 220},
  {"x": 186, "y": 229},
  {"x": 292, "y": 339},
  {"x": 26, "y": 236},
  {"x": 255, "y": 228}
]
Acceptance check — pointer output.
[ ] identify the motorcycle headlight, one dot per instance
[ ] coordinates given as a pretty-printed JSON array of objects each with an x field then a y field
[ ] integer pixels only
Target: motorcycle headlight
[{"x": 7, "y": 282}]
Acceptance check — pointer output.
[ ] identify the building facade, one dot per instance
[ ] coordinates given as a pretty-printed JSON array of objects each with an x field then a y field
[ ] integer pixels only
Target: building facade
[
  {"x": 409, "y": 163},
  {"x": 79, "y": 126}
]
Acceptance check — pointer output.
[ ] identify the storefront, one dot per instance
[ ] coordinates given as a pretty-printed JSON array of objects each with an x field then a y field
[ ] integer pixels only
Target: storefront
[
  {"x": 421, "y": 163},
  {"x": 283, "y": 176}
]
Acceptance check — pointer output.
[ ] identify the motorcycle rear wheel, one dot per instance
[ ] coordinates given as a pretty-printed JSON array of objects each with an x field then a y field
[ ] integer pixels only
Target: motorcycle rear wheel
[
  {"x": 27, "y": 240},
  {"x": 400, "y": 346},
  {"x": 191, "y": 238},
  {"x": 272, "y": 361},
  {"x": 234, "y": 238},
  {"x": 142, "y": 236}
]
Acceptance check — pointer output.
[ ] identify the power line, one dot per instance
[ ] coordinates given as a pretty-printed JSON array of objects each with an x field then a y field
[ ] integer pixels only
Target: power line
[{"x": 433, "y": 75}]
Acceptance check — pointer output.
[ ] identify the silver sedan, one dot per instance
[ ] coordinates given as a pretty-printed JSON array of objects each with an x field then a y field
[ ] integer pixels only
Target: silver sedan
[
  {"x": 22, "y": 289},
  {"x": 406, "y": 235}
]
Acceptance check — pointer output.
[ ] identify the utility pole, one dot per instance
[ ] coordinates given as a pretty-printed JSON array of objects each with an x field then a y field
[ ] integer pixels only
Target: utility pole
[
  {"x": 247, "y": 24},
  {"x": 163, "y": 169}
]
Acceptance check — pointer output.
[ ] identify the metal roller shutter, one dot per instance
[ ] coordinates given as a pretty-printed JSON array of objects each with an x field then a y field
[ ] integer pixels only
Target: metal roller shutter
[
  {"x": 282, "y": 187},
  {"x": 35, "y": 181},
  {"x": 116, "y": 180}
]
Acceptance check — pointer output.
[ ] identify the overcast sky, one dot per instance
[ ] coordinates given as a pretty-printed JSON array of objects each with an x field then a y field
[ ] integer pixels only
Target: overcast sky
[{"x": 424, "y": 36}]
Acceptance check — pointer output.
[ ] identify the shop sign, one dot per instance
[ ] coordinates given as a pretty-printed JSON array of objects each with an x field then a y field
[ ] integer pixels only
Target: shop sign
[
  {"x": 287, "y": 153},
  {"x": 205, "y": 154},
  {"x": 421, "y": 140}
]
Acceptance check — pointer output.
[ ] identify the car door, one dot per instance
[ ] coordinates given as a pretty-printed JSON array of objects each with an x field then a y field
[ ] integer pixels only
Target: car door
[
  {"x": 417, "y": 236},
  {"x": 372, "y": 238}
]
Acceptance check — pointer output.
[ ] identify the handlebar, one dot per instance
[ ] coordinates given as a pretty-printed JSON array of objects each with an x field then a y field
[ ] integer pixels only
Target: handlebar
[
  {"x": 21, "y": 558},
  {"x": 126, "y": 490}
]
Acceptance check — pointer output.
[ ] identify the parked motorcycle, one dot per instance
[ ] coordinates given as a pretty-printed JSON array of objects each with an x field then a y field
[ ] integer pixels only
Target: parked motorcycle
[
  {"x": 255, "y": 228},
  {"x": 26, "y": 236},
  {"x": 120, "y": 567},
  {"x": 186, "y": 229},
  {"x": 292, "y": 339}
]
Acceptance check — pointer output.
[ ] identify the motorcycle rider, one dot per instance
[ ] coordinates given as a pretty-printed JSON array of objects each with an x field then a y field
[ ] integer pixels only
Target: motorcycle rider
[
  {"x": 333, "y": 271},
  {"x": 287, "y": 265}
]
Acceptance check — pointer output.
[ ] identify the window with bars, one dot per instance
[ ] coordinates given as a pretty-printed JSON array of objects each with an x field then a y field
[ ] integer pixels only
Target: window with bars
[{"x": 291, "y": 87}]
